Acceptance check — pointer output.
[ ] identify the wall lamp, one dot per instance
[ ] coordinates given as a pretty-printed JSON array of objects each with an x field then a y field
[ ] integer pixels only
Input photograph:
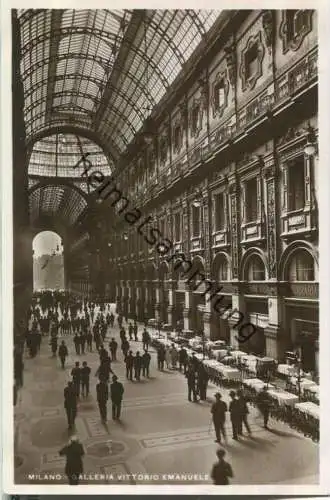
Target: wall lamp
[
  {"x": 125, "y": 236},
  {"x": 198, "y": 200},
  {"x": 310, "y": 148}
]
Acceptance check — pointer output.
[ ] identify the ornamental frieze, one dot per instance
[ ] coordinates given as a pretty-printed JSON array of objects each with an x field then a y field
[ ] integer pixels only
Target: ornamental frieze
[
  {"x": 266, "y": 289},
  {"x": 304, "y": 290}
]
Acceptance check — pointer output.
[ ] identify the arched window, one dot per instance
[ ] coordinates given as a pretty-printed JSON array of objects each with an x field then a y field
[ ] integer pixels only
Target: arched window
[
  {"x": 223, "y": 270},
  {"x": 255, "y": 269},
  {"x": 301, "y": 267}
]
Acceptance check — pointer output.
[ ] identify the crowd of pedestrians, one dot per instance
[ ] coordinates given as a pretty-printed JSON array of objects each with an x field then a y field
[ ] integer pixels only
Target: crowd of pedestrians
[{"x": 88, "y": 324}]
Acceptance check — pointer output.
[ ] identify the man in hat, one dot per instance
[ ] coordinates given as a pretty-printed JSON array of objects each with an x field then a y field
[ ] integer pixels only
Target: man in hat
[
  {"x": 234, "y": 409},
  {"x": 218, "y": 411},
  {"x": 73, "y": 452},
  {"x": 221, "y": 470}
]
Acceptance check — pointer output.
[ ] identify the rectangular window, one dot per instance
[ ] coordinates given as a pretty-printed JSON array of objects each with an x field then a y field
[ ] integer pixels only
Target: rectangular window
[
  {"x": 219, "y": 95},
  {"x": 251, "y": 61},
  {"x": 295, "y": 23},
  {"x": 219, "y": 212},
  {"x": 296, "y": 184},
  {"x": 177, "y": 227},
  {"x": 251, "y": 200},
  {"x": 195, "y": 214}
]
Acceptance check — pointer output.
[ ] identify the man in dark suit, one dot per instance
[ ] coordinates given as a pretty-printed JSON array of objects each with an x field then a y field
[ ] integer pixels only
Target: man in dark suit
[
  {"x": 102, "y": 396},
  {"x": 146, "y": 358},
  {"x": 116, "y": 393},
  {"x": 76, "y": 377},
  {"x": 73, "y": 452},
  {"x": 129, "y": 361},
  {"x": 70, "y": 404}
]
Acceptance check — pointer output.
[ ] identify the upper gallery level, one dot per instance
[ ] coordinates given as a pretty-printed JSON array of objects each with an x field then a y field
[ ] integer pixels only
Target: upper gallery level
[{"x": 260, "y": 63}]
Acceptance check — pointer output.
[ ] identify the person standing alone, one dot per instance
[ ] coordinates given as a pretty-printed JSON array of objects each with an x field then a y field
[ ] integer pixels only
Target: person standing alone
[
  {"x": 218, "y": 411},
  {"x": 102, "y": 396},
  {"x": 63, "y": 353},
  {"x": 221, "y": 470},
  {"x": 76, "y": 378},
  {"x": 235, "y": 416},
  {"x": 70, "y": 404},
  {"x": 116, "y": 394},
  {"x": 73, "y": 452},
  {"x": 84, "y": 374}
]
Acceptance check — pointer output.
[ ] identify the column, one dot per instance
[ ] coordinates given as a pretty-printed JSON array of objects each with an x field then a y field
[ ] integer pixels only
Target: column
[
  {"x": 158, "y": 302},
  {"x": 187, "y": 326},
  {"x": 207, "y": 316},
  {"x": 146, "y": 299},
  {"x": 170, "y": 307},
  {"x": 273, "y": 330},
  {"x": 138, "y": 300}
]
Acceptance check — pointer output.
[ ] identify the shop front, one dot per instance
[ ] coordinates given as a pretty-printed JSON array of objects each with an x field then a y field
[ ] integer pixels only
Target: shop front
[
  {"x": 256, "y": 310},
  {"x": 303, "y": 328},
  {"x": 178, "y": 308},
  {"x": 197, "y": 312},
  {"x": 220, "y": 328}
]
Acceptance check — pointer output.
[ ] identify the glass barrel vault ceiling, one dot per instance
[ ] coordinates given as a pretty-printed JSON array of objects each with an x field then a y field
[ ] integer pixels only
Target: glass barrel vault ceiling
[
  {"x": 62, "y": 202},
  {"x": 103, "y": 70},
  {"x": 58, "y": 155}
]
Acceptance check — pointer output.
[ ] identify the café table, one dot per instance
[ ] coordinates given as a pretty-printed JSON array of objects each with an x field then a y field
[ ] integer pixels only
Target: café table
[
  {"x": 286, "y": 369},
  {"x": 284, "y": 397},
  {"x": 257, "y": 384},
  {"x": 309, "y": 408}
]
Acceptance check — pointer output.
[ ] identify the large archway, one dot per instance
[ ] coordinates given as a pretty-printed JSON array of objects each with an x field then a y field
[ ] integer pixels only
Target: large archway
[{"x": 48, "y": 262}]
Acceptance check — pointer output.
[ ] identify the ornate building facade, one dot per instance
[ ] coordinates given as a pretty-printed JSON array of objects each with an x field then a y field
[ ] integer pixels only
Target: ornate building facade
[{"x": 226, "y": 175}]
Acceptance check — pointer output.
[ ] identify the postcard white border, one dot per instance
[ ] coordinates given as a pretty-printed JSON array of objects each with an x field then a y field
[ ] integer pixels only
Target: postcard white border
[{"x": 323, "y": 6}]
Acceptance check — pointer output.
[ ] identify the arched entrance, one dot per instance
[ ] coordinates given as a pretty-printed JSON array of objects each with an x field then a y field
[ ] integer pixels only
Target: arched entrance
[{"x": 48, "y": 262}]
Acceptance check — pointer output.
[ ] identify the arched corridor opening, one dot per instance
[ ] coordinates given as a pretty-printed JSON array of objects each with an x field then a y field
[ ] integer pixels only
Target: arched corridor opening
[{"x": 48, "y": 262}]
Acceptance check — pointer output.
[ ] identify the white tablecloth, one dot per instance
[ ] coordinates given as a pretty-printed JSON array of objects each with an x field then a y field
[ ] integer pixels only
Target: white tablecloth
[
  {"x": 315, "y": 389},
  {"x": 310, "y": 408},
  {"x": 304, "y": 383},
  {"x": 286, "y": 369},
  {"x": 230, "y": 373},
  {"x": 284, "y": 397},
  {"x": 257, "y": 384},
  {"x": 238, "y": 354},
  {"x": 220, "y": 353}
]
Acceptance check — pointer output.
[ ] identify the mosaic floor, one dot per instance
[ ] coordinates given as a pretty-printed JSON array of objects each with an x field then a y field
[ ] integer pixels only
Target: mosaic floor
[{"x": 160, "y": 434}]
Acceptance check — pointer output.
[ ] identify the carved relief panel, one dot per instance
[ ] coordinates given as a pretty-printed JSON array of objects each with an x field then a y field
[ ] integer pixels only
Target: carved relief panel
[
  {"x": 179, "y": 129},
  {"x": 269, "y": 175},
  {"x": 196, "y": 117},
  {"x": 235, "y": 228}
]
